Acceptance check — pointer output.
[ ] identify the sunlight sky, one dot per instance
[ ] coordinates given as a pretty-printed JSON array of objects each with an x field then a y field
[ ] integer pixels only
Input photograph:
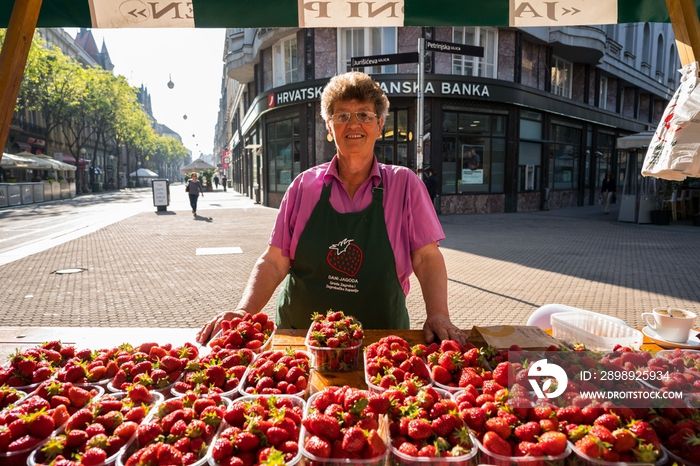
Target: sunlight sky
[{"x": 194, "y": 60}]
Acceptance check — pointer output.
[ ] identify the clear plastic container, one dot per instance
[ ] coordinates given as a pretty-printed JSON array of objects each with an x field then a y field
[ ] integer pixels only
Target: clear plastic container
[
  {"x": 313, "y": 460},
  {"x": 668, "y": 353},
  {"x": 266, "y": 346},
  {"x": 487, "y": 457},
  {"x": 402, "y": 459},
  {"x": 579, "y": 459},
  {"x": 244, "y": 382},
  {"x": 132, "y": 446},
  {"x": 297, "y": 402},
  {"x": 377, "y": 389},
  {"x": 334, "y": 359},
  {"x": 596, "y": 331},
  {"x": 675, "y": 459},
  {"x": 36, "y": 457}
]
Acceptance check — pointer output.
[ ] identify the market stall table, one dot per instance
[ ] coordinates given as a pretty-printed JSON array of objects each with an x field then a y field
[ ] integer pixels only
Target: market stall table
[{"x": 13, "y": 338}]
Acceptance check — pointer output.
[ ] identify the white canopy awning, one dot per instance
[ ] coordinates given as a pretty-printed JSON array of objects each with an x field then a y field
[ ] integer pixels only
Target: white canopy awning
[
  {"x": 635, "y": 141},
  {"x": 60, "y": 165},
  {"x": 17, "y": 161}
]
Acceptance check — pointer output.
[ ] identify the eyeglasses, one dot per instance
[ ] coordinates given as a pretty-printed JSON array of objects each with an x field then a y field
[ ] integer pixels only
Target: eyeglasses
[{"x": 362, "y": 117}]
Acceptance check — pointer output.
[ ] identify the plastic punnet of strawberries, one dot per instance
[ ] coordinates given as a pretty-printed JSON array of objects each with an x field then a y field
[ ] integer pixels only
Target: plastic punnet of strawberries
[
  {"x": 97, "y": 432},
  {"x": 392, "y": 360},
  {"x": 9, "y": 396},
  {"x": 345, "y": 423},
  {"x": 179, "y": 434},
  {"x": 259, "y": 430},
  {"x": 35, "y": 365},
  {"x": 454, "y": 366},
  {"x": 335, "y": 340},
  {"x": 505, "y": 421},
  {"x": 34, "y": 419},
  {"x": 426, "y": 423},
  {"x": 219, "y": 372},
  {"x": 151, "y": 365},
  {"x": 279, "y": 372},
  {"x": 251, "y": 331}
]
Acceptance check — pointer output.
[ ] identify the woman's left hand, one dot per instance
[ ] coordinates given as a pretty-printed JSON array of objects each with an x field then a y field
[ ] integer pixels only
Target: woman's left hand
[{"x": 441, "y": 328}]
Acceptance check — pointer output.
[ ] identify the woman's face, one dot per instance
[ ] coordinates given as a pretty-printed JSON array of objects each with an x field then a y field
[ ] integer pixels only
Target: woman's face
[{"x": 355, "y": 138}]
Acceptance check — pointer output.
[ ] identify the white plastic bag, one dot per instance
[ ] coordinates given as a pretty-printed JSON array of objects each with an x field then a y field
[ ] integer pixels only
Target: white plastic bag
[{"x": 674, "y": 151}]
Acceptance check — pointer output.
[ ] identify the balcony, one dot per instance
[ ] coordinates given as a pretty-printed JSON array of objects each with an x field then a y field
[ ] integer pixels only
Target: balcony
[
  {"x": 243, "y": 49},
  {"x": 580, "y": 44}
]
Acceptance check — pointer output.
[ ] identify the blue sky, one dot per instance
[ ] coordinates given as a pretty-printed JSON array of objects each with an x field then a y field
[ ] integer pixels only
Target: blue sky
[{"x": 192, "y": 58}]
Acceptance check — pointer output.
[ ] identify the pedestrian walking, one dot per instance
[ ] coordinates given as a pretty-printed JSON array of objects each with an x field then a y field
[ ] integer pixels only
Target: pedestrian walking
[
  {"x": 194, "y": 189},
  {"x": 216, "y": 181},
  {"x": 224, "y": 181},
  {"x": 608, "y": 191}
]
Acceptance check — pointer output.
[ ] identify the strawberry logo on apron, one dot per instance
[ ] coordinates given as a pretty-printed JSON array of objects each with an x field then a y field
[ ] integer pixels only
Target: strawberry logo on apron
[{"x": 345, "y": 257}]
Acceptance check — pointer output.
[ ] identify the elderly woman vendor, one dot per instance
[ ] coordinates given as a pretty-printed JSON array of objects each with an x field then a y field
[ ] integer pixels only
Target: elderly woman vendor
[{"x": 350, "y": 232}]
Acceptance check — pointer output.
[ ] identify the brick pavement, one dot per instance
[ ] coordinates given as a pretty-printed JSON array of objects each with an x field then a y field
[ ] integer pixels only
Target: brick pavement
[{"x": 143, "y": 271}]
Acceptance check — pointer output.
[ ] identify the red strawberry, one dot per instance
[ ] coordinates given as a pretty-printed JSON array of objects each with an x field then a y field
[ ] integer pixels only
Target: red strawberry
[
  {"x": 246, "y": 441},
  {"x": 498, "y": 425},
  {"x": 496, "y": 444},
  {"x": 318, "y": 447},
  {"x": 322, "y": 424},
  {"x": 552, "y": 443},
  {"x": 345, "y": 257},
  {"x": 419, "y": 429},
  {"x": 146, "y": 433},
  {"x": 79, "y": 397},
  {"x": 504, "y": 374},
  {"x": 80, "y": 419},
  {"x": 41, "y": 425},
  {"x": 93, "y": 456},
  {"x": 354, "y": 440},
  {"x": 528, "y": 431}
]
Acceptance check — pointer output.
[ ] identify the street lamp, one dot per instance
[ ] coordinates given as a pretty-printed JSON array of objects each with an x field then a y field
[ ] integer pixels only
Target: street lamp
[
  {"x": 171, "y": 84},
  {"x": 80, "y": 171},
  {"x": 111, "y": 164}
]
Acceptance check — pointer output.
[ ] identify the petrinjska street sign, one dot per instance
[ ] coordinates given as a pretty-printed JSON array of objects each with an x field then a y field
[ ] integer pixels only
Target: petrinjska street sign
[{"x": 451, "y": 47}]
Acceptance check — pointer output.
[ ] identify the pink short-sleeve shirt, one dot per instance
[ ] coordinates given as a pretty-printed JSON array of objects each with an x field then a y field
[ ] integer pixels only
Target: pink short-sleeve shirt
[{"x": 410, "y": 217}]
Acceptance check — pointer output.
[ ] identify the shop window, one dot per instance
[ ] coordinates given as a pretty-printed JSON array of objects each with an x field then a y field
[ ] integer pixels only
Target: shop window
[
  {"x": 476, "y": 66},
  {"x": 363, "y": 42},
  {"x": 473, "y": 157},
  {"x": 284, "y": 65},
  {"x": 562, "y": 74},
  {"x": 564, "y": 157},
  {"x": 392, "y": 147},
  {"x": 283, "y": 153},
  {"x": 604, "y": 154}
]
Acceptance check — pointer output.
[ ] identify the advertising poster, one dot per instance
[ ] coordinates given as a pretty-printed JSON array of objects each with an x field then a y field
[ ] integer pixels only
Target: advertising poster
[{"x": 472, "y": 168}]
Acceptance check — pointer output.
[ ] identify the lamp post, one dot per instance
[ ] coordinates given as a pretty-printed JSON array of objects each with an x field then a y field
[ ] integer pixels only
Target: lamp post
[
  {"x": 81, "y": 182},
  {"x": 138, "y": 177},
  {"x": 111, "y": 164}
]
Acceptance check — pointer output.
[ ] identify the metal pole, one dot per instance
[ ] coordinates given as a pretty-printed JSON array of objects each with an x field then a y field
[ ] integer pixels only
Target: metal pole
[{"x": 419, "y": 104}]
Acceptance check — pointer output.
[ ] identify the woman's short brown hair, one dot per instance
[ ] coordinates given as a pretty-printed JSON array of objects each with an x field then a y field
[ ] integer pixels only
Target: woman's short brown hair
[{"x": 353, "y": 85}]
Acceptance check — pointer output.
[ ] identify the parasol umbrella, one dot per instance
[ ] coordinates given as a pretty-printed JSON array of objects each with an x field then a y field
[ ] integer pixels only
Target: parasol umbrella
[
  {"x": 197, "y": 166},
  {"x": 144, "y": 173}
]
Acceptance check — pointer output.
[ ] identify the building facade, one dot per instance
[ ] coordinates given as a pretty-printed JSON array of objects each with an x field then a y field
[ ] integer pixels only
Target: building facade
[{"x": 532, "y": 124}]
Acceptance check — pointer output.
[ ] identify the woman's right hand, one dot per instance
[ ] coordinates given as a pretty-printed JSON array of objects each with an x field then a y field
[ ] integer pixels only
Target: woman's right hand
[{"x": 211, "y": 328}]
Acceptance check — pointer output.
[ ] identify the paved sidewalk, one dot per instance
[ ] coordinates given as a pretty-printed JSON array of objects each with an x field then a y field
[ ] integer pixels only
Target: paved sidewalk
[{"x": 143, "y": 271}]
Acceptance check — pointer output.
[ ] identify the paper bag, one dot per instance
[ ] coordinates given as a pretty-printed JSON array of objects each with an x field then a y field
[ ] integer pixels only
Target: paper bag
[
  {"x": 504, "y": 336},
  {"x": 674, "y": 151}
]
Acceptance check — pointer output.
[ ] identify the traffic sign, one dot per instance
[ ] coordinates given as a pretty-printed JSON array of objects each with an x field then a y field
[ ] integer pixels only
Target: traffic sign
[
  {"x": 451, "y": 47},
  {"x": 381, "y": 60}
]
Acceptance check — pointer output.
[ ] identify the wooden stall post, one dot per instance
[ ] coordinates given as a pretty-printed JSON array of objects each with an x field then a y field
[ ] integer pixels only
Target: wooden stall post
[
  {"x": 686, "y": 28},
  {"x": 13, "y": 59}
]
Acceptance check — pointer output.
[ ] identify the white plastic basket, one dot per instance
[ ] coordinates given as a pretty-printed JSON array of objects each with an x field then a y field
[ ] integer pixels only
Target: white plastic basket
[{"x": 596, "y": 331}]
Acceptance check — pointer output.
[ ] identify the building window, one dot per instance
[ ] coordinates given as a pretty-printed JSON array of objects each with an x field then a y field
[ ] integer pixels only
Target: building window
[
  {"x": 476, "y": 66},
  {"x": 285, "y": 61},
  {"x": 392, "y": 147},
  {"x": 473, "y": 153},
  {"x": 603, "y": 93},
  {"x": 562, "y": 73},
  {"x": 363, "y": 42},
  {"x": 564, "y": 157},
  {"x": 283, "y": 153}
]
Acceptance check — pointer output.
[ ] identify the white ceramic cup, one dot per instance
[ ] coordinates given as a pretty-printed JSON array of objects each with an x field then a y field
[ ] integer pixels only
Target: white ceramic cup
[{"x": 670, "y": 324}]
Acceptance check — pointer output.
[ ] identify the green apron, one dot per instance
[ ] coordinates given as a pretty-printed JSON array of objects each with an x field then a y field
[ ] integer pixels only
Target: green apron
[{"x": 344, "y": 262}]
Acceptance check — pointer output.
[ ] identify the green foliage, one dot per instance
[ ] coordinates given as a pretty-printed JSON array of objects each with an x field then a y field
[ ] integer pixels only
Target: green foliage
[{"x": 208, "y": 175}]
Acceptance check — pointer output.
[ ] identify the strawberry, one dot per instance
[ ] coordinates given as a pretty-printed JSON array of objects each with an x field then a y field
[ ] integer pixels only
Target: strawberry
[
  {"x": 318, "y": 447},
  {"x": 23, "y": 443},
  {"x": 40, "y": 424},
  {"x": 354, "y": 440},
  {"x": 441, "y": 375},
  {"x": 146, "y": 433},
  {"x": 496, "y": 444},
  {"x": 419, "y": 429},
  {"x": 80, "y": 419},
  {"x": 93, "y": 457},
  {"x": 528, "y": 431},
  {"x": 504, "y": 374},
  {"x": 321, "y": 424},
  {"x": 552, "y": 443},
  {"x": 499, "y": 426},
  {"x": 623, "y": 441},
  {"x": 526, "y": 448},
  {"x": 79, "y": 397},
  {"x": 246, "y": 441},
  {"x": 590, "y": 446}
]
